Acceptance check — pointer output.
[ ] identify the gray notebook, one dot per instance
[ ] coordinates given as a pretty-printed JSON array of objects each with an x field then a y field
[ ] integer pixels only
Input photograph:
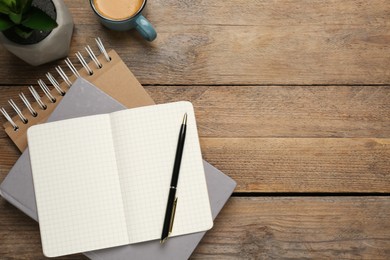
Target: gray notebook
[{"x": 84, "y": 99}]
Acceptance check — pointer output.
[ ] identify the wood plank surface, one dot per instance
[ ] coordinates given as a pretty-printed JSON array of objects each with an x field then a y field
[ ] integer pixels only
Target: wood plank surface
[
  {"x": 292, "y": 98},
  {"x": 257, "y": 228},
  {"x": 285, "y": 111},
  {"x": 272, "y": 111},
  {"x": 300, "y": 228},
  {"x": 241, "y": 130},
  {"x": 241, "y": 42},
  {"x": 327, "y": 165},
  {"x": 302, "y": 164}
]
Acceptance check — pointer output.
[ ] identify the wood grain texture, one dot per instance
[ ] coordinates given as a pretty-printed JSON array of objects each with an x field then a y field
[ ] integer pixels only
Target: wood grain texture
[
  {"x": 241, "y": 42},
  {"x": 257, "y": 228},
  {"x": 241, "y": 130},
  {"x": 300, "y": 228},
  {"x": 290, "y": 96},
  {"x": 289, "y": 164},
  {"x": 273, "y": 111},
  {"x": 285, "y": 111},
  {"x": 302, "y": 164}
]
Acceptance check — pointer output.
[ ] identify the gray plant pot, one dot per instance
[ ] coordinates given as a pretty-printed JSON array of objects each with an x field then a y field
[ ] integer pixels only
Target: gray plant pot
[{"x": 55, "y": 46}]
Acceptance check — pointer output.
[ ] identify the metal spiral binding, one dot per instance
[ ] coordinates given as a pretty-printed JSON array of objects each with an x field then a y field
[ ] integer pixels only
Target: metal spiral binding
[
  {"x": 45, "y": 88},
  {"x": 28, "y": 105},
  {"x": 20, "y": 114},
  {"x": 93, "y": 57},
  {"x": 63, "y": 76},
  {"x": 6, "y": 115},
  {"x": 55, "y": 84},
  {"x": 84, "y": 63},
  {"x": 102, "y": 49},
  {"x": 72, "y": 68},
  {"x": 37, "y": 98}
]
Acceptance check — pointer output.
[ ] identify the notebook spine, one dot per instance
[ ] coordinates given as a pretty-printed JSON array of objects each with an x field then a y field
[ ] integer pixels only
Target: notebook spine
[{"x": 23, "y": 118}]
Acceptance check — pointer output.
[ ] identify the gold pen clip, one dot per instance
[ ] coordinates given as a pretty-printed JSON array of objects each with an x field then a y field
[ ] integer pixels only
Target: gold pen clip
[{"x": 172, "y": 216}]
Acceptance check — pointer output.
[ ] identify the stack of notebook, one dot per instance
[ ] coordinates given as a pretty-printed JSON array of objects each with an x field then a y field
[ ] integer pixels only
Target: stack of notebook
[{"x": 84, "y": 99}]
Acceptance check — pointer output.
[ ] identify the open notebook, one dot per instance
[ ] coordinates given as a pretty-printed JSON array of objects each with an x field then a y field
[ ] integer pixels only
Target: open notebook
[
  {"x": 83, "y": 99},
  {"x": 112, "y": 186}
]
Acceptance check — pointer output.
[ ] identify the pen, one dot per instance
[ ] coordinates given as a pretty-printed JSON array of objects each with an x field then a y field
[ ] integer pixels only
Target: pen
[{"x": 172, "y": 200}]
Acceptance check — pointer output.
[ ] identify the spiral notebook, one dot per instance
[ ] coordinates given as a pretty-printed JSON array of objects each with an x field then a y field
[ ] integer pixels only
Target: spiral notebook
[
  {"x": 106, "y": 71},
  {"x": 17, "y": 187},
  {"x": 105, "y": 181},
  {"x": 83, "y": 99}
]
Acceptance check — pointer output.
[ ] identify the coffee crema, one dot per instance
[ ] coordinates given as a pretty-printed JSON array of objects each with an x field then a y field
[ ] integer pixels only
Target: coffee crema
[{"x": 117, "y": 9}]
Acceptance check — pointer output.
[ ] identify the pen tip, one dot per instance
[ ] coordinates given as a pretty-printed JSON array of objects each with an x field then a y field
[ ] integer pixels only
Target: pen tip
[
  {"x": 185, "y": 119},
  {"x": 163, "y": 240}
]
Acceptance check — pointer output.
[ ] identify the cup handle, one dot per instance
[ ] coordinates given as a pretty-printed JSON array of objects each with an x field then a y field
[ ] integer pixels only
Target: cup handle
[{"x": 145, "y": 28}]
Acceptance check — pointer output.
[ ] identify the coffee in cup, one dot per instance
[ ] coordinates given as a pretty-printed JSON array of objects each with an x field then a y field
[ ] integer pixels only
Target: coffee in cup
[
  {"x": 123, "y": 15},
  {"x": 118, "y": 9}
]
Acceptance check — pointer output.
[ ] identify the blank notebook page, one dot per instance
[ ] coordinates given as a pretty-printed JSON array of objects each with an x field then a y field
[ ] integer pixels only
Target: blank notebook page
[
  {"x": 145, "y": 141},
  {"x": 103, "y": 181},
  {"x": 76, "y": 184}
]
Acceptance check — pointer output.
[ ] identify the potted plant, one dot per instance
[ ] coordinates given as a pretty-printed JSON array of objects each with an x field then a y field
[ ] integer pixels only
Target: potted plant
[{"x": 37, "y": 31}]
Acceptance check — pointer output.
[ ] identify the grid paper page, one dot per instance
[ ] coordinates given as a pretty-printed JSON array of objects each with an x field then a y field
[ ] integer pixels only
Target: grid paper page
[
  {"x": 77, "y": 186},
  {"x": 145, "y": 143}
]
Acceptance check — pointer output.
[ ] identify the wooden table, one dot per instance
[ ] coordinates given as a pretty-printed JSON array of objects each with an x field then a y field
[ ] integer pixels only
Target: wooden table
[{"x": 293, "y": 102}]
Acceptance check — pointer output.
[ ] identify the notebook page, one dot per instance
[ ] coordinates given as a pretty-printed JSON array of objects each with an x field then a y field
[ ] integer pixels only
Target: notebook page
[
  {"x": 145, "y": 142},
  {"x": 76, "y": 185}
]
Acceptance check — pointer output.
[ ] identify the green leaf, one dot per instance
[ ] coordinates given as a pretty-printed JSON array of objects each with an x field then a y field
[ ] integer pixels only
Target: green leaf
[
  {"x": 8, "y": 2},
  {"x": 5, "y": 23},
  {"x": 39, "y": 20},
  {"x": 11, "y": 4},
  {"x": 16, "y": 18},
  {"x": 22, "y": 33},
  {"x": 5, "y": 9},
  {"x": 22, "y": 6},
  {"x": 26, "y": 4}
]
